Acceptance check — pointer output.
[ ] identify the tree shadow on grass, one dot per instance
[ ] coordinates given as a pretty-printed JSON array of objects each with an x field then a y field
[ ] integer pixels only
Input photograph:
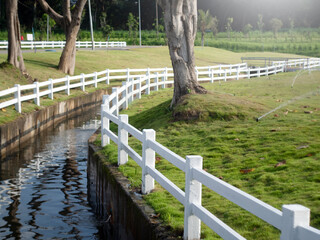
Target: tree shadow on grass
[{"x": 41, "y": 63}]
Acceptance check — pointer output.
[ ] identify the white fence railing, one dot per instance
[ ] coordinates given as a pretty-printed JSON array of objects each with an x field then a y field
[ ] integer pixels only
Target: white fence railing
[
  {"x": 60, "y": 44},
  {"x": 20, "y": 93},
  {"x": 293, "y": 221}
]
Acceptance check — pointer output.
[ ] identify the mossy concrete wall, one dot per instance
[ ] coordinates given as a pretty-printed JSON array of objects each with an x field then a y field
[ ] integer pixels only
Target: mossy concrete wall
[
  {"x": 122, "y": 210},
  {"x": 28, "y": 125}
]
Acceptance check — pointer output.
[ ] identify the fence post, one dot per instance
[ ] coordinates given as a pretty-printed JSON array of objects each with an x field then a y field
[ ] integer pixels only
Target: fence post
[
  {"x": 17, "y": 95},
  {"x": 220, "y": 70},
  {"x": 166, "y": 74},
  {"x": 105, "y": 122},
  {"x": 212, "y": 75},
  {"x": 83, "y": 80},
  {"x": 238, "y": 72},
  {"x": 267, "y": 71},
  {"x": 130, "y": 90},
  {"x": 193, "y": 193},
  {"x": 209, "y": 71},
  {"x": 293, "y": 215},
  {"x": 125, "y": 95},
  {"x": 163, "y": 79},
  {"x": 139, "y": 87},
  {"x": 148, "y": 160},
  {"x": 197, "y": 74},
  {"x": 128, "y": 74},
  {"x": 122, "y": 139},
  {"x": 148, "y": 82},
  {"x": 95, "y": 78},
  {"x": 156, "y": 80},
  {"x": 36, "y": 91},
  {"x": 259, "y": 72},
  {"x": 68, "y": 85},
  {"x": 50, "y": 87},
  {"x": 115, "y": 100},
  {"x": 225, "y": 75},
  {"x": 107, "y": 75},
  {"x": 248, "y": 72}
]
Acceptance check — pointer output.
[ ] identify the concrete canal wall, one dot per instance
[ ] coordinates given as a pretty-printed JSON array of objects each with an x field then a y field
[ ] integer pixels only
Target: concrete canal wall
[
  {"x": 22, "y": 129},
  {"x": 121, "y": 209}
]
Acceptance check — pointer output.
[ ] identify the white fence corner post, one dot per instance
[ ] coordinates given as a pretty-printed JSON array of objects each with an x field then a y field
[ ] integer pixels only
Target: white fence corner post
[
  {"x": 259, "y": 72},
  {"x": 67, "y": 85},
  {"x": 95, "y": 78},
  {"x": 107, "y": 76},
  {"x": 17, "y": 95},
  {"x": 293, "y": 216},
  {"x": 193, "y": 194},
  {"x": 122, "y": 140},
  {"x": 37, "y": 93},
  {"x": 148, "y": 161},
  {"x": 248, "y": 72},
  {"x": 50, "y": 87},
  {"x": 115, "y": 100},
  {"x": 130, "y": 91},
  {"x": 105, "y": 122},
  {"x": 125, "y": 95},
  {"x": 83, "y": 80}
]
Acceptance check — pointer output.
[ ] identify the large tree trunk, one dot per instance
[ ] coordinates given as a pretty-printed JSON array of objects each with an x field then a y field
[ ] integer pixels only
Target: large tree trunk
[
  {"x": 68, "y": 57},
  {"x": 70, "y": 22},
  {"x": 14, "y": 37},
  {"x": 180, "y": 17}
]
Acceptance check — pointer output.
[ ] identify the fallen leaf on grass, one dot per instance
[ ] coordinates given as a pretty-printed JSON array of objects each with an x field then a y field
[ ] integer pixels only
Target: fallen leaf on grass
[
  {"x": 295, "y": 110},
  {"x": 276, "y": 115},
  {"x": 303, "y": 147},
  {"x": 308, "y": 112},
  {"x": 158, "y": 159},
  {"x": 221, "y": 177},
  {"x": 309, "y": 155},
  {"x": 286, "y": 113},
  {"x": 280, "y": 163},
  {"x": 245, "y": 171},
  {"x": 3, "y": 110},
  {"x": 305, "y": 106},
  {"x": 237, "y": 139},
  {"x": 279, "y": 100},
  {"x": 273, "y": 130}
]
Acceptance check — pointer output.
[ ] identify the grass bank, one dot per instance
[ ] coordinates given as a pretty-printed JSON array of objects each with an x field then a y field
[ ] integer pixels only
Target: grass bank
[
  {"x": 276, "y": 159},
  {"x": 43, "y": 65}
]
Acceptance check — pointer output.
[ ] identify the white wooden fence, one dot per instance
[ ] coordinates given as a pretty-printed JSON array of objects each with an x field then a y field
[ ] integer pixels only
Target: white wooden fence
[
  {"x": 293, "y": 221},
  {"x": 60, "y": 44},
  {"x": 20, "y": 93}
]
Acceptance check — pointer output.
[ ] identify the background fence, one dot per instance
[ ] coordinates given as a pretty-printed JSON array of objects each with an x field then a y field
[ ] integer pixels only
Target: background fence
[
  {"x": 60, "y": 44},
  {"x": 156, "y": 77},
  {"x": 293, "y": 221}
]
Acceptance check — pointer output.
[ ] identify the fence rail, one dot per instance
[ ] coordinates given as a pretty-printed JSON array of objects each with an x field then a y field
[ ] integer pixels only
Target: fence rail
[
  {"x": 293, "y": 221},
  {"x": 60, "y": 44},
  {"x": 135, "y": 79}
]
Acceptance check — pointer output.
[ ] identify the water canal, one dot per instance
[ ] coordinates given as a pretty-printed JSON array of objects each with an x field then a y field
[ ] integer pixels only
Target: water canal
[{"x": 43, "y": 186}]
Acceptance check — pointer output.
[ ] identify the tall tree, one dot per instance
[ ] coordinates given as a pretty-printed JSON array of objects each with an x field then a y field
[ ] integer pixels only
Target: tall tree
[
  {"x": 180, "y": 18},
  {"x": 260, "y": 23},
  {"x": 14, "y": 37},
  {"x": 276, "y": 25},
  {"x": 214, "y": 26},
  {"x": 70, "y": 21},
  {"x": 228, "y": 26},
  {"x": 205, "y": 22}
]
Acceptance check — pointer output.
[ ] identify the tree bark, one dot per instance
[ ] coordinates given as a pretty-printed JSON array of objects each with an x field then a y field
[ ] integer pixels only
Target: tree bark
[
  {"x": 14, "y": 37},
  {"x": 70, "y": 22},
  {"x": 180, "y": 17}
]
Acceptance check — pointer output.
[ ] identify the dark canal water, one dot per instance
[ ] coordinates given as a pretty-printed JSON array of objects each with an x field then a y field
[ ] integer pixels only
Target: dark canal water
[{"x": 43, "y": 187}]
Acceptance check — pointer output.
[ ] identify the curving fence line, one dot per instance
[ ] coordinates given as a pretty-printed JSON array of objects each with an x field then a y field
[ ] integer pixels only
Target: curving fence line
[
  {"x": 293, "y": 221},
  {"x": 21, "y": 93},
  {"x": 60, "y": 44}
]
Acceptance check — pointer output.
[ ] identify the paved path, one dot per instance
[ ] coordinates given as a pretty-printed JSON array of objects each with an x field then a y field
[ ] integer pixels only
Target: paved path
[{"x": 81, "y": 49}]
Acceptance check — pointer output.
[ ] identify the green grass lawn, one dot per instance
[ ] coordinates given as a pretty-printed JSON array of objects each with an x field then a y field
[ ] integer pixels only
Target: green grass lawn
[
  {"x": 43, "y": 65},
  {"x": 230, "y": 140}
]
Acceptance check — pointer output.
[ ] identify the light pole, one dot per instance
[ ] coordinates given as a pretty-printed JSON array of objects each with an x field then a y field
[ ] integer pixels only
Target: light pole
[
  {"x": 139, "y": 23},
  {"x": 91, "y": 28}
]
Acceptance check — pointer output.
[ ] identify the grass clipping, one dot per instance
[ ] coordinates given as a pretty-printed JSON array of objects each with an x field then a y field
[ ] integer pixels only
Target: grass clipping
[{"x": 215, "y": 106}]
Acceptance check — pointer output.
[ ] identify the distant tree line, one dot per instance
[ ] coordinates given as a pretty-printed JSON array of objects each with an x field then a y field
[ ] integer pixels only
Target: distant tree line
[{"x": 304, "y": 13}]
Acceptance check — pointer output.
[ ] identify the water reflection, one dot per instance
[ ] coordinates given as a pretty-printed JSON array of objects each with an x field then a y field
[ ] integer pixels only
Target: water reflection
[{"x": 43, "y": 188}]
